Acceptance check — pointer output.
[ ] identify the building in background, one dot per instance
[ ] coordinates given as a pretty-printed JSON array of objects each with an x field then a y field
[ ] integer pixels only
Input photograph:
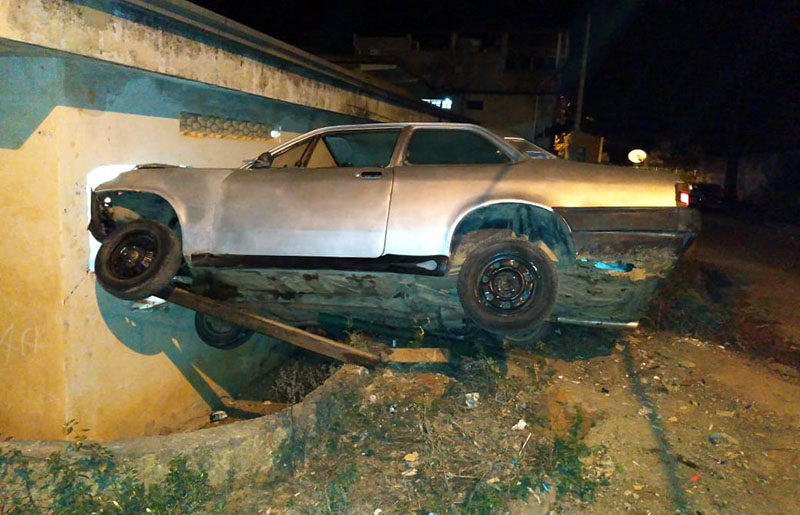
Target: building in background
[
  {"x": 580, "y": 146},
  {"x": 508, "y": 82}
]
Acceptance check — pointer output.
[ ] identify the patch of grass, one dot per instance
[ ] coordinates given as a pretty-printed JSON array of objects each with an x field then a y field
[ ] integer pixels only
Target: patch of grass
[
  {"x": 469, "y": 459},
  {"x": 86, "y": 477},
  {"x": 565, "y": 466},
  {"x": 336, "y": 489}
]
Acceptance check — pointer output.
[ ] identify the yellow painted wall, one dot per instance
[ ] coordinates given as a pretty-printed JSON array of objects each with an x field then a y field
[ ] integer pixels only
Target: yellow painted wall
[
  {"x": 31, "y": 331},
  {"x": 69, "y": 350}
]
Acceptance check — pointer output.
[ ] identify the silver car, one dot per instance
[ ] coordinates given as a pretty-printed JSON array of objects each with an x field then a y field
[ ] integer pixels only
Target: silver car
[{"x": 523, "y": 239}]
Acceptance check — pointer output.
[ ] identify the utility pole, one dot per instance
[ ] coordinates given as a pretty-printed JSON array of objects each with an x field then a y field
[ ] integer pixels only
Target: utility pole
[{"x": 582, "y": 84}]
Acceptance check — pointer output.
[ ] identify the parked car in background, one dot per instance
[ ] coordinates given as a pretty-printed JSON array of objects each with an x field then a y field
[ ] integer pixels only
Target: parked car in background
[
  {"x": 530, "y": 149},
  {"x": 512, "y": 242}
]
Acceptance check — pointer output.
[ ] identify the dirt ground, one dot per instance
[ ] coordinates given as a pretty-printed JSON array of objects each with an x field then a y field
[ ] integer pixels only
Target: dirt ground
[{"x": 705, "y": 417}]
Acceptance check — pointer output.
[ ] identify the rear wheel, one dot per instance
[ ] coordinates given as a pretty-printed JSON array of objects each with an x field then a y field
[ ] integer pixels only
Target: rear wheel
[
  {"x": 537, "y": 333},
  {"x": 219, "y": 333},
  {"x": 508, "y": 286},
  {"x": 138, "y": 260}
]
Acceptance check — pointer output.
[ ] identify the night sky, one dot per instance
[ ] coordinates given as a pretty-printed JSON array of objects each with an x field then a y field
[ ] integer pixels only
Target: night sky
[{"x": 713, "y": 78}]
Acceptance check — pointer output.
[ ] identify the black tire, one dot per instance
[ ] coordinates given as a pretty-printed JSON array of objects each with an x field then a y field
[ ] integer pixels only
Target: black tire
[
  {"x": 508, "y": 285},
  {"x": 138, "y": 260},
  {"x": 219, "y": 333},
  {"x": 535, "y": 334}
]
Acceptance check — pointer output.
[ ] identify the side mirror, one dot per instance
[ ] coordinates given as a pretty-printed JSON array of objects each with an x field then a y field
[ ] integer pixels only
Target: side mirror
[{"x": 263, "y": 161}]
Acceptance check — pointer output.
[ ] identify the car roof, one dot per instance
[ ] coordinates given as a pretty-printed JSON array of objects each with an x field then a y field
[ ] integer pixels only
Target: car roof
[{"x": 401, "y": 125}]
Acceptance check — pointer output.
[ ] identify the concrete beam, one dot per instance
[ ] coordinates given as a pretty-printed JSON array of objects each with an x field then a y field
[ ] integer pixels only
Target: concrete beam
[{"x": 205, "y": 48}]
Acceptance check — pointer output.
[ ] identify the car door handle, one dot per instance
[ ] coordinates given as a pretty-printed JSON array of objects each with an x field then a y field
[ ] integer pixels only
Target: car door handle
[{"x": 369, "y": 175}]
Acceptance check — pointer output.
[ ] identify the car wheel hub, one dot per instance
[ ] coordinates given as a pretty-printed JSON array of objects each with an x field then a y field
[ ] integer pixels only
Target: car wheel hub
[
  {"x": 133, "y": 256},
  {"x": 507, "y": 283}
]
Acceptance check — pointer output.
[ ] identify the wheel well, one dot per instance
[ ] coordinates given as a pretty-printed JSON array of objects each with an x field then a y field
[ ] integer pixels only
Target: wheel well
[
  {"x": 129, "y": 205},
  {"x": 537, "y": 223}
]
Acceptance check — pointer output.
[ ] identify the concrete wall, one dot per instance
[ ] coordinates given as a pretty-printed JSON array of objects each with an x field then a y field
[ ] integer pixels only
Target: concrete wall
[
  {"x": 82, "y": 87},
  {"x": 71, "y": 351}
]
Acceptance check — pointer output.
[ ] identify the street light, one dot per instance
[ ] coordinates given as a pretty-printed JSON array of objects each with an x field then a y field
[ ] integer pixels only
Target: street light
[{"x": 637, "y": 156}]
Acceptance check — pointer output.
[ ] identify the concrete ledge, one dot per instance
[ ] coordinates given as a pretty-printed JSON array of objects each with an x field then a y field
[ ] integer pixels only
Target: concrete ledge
[{"x": 244, "y": 447}]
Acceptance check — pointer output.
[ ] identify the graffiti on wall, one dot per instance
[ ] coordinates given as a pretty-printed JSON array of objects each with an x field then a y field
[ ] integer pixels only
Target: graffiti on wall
[{"x": 19, "y": 342}]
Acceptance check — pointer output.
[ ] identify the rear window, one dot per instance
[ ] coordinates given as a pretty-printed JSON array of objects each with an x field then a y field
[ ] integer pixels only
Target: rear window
[{"x": 452, "y": 147}]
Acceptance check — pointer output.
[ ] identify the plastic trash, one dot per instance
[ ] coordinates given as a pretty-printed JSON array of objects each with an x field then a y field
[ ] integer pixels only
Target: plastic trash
[
  {"x": 218, "y": 415},
  {"x": 716, "y": 438},
  {"x": 616, "y": 266}
]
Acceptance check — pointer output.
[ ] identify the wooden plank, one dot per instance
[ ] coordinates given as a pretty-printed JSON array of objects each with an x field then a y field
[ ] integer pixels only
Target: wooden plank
[
  {"x": 419, "y": 355},
  {"x": 273, "y": 328}
]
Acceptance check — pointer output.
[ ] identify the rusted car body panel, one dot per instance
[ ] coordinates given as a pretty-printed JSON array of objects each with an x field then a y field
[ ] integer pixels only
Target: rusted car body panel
[{"x": 366, "y": 219}]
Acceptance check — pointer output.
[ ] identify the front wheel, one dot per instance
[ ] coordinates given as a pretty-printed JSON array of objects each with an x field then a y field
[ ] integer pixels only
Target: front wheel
[
  {"x": 507, "y": 286},
  {"x": 138, "y": 260}
]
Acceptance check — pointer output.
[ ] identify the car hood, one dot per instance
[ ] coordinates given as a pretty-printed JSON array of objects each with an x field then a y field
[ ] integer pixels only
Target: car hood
[{"x": 156, "y": 179}]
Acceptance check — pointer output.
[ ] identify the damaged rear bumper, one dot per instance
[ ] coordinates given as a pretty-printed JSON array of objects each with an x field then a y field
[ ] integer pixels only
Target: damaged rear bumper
[{"x": 617, "y": 272}]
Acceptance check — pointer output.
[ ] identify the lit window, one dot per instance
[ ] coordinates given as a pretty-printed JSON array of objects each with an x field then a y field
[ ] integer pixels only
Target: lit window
[{"x": 444, "y": 103}]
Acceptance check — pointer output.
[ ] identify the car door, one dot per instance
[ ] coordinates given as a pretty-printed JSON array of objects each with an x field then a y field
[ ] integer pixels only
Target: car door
[
  {"x": 443, "y": 171},
  {"x": 325, "y": 197}
]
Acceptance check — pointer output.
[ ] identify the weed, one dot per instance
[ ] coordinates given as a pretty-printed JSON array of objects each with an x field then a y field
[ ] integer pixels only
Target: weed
[
  {"x": 564, "y": 463},
  {"x": 419, "y": 336},
  {"x": 359, "y": 340},
  {"x": 336, "y": 489},
  {"x": 298, "y": 378},
  {"x": 85, "y": 477}
]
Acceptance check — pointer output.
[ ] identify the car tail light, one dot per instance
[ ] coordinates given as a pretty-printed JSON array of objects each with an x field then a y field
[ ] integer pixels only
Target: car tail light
[{"x": 682, "y": 194}]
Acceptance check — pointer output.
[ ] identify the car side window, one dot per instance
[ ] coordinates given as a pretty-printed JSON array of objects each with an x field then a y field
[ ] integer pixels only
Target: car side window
[
  {"x": 355, "y": 148},
  {"x": 452, "y": 147},
  {"x": 320, "y": 156},
  {"x": 291, "y": 157}
]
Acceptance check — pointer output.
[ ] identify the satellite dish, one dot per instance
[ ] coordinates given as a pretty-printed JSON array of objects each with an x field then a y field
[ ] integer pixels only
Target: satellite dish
[{"x": 637, "y": 156}]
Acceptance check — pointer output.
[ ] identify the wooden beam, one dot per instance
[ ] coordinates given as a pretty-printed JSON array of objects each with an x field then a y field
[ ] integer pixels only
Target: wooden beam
[
  {"x": 269, "y": 327},
  {"x": 418, "y": 355}
]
